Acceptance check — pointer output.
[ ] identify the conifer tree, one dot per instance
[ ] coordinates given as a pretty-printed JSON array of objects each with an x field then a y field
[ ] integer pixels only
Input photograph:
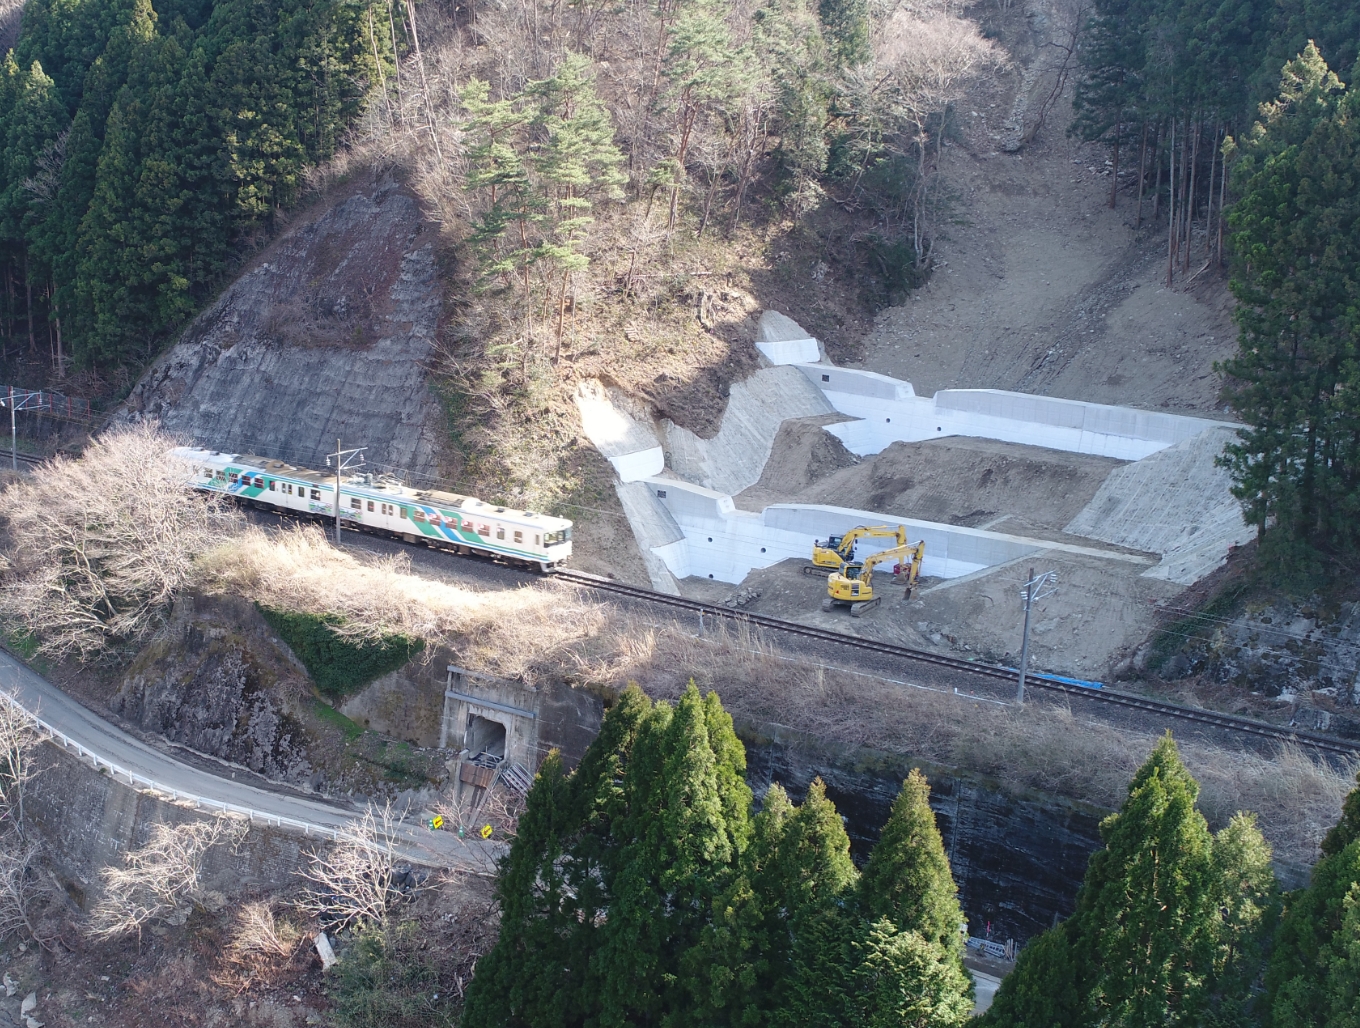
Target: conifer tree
[
  {"x": 1296, "y": 978},
  {"x": 687, "y": 822},
  {"x": 1296, "y": 240},
  {"x": 1168, "y": 921},
  {"x": 555, "y": 884},
  {"x": 527, "y": 977},
  {"x": 903, "y": 980},
  {"x": 1347, "y": 829},
  {"x": 907, "y": 878}
]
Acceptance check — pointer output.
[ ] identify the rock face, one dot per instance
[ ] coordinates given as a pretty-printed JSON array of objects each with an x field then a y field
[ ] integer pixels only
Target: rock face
[
  {"x": 212, "y": 681},
  {"x": 1018, "y": 861},
  {"x": 325, "y": 337}
]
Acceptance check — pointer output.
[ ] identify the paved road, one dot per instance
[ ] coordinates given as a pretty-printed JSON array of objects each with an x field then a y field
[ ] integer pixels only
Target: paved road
[{"x": 85, "y": 733}]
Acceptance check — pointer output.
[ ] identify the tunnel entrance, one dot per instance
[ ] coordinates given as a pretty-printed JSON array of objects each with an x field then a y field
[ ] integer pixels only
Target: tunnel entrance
[{"x": 485, "y": 736}]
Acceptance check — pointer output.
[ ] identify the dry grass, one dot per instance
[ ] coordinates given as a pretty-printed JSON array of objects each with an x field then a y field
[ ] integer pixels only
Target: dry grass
[{"x": 514, "y": 633}]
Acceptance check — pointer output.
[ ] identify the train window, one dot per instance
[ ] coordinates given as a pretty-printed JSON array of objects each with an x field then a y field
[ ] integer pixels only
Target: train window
[
  {"x": 221, "y": 476},
  {"x": 271, "y": 485},
  {"x": 500, "y": 532},
  {"x": 355, "y": 502},
  {"x": 370, "y": 504},
  {"x": 233, "y": 477},
  {"x": 417, "y": 515},
  {"x": 403, "y": 512},
  {"x": 259, "y": 483},
  {"x": 536, "y": 542},
  {"x": 316, "y": 494},
  {"x": 519, "y": 537},
  {"x": 484, "y": 530}
]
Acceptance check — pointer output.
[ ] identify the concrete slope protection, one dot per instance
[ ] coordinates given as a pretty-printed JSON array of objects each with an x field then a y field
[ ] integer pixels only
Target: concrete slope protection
[
  {"x": 1171, "y": 501},
  {"x": 80, "y": 730},
  {"x": 327, "y": 337}
]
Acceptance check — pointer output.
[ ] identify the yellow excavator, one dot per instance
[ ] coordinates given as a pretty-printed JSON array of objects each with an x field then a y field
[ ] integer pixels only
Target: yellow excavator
[
  {"x": 853, "y": 585},
  {"x": 839, "y": 550}
]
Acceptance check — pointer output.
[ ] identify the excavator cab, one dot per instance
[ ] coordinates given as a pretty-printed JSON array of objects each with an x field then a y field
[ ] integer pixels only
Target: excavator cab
[
  {"x": 827, "y": 555},
  {"x": 853, "y": 585}
]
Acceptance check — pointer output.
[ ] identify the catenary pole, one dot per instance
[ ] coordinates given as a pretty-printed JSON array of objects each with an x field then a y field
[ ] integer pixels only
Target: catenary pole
[
  {"x": 339, "y": 461},
  {"x": 1024, "y": 642}
]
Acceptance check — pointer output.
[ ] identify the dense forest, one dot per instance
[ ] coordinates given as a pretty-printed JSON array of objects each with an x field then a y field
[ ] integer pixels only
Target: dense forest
[
  {"x": 141, "y": 144},
  {"x": 642, "y": 888}
]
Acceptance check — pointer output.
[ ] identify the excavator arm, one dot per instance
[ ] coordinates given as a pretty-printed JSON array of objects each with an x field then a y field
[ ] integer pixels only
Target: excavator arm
[
  {"x": 907, "y": 558},
  {"x": 840, "y": 549}
]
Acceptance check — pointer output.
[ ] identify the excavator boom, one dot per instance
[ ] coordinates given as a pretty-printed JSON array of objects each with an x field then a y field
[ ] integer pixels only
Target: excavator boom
[{"x": 839, "y": 550}]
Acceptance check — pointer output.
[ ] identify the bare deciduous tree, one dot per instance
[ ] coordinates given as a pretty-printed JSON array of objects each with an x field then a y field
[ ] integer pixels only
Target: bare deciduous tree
[
  {"x": 100, "y": 545},
  {"x": 160, "y": 877},
  {"x": 18, "y": 738},
  {"x": 353, "y": 883}
]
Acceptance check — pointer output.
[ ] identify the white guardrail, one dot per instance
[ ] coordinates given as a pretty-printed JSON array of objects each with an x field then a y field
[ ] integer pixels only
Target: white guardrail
[{"x": 143, "y": 783}]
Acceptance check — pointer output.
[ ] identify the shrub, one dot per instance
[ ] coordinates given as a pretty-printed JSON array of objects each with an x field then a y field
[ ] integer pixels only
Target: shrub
[{"x": 339, "y": 665}]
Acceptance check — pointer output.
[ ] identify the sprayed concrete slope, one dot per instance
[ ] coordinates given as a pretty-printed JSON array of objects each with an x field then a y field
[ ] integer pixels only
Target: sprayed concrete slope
[
  {"x": 734, "y": 458},
  {"x": 326, "y": 337},
  {"x": 625, "y": 441},
  {"x": 1176, "y": 502}
]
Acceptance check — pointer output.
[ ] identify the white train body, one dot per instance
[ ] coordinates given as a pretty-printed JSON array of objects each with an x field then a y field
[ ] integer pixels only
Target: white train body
[{"x": 460, "y": 523}]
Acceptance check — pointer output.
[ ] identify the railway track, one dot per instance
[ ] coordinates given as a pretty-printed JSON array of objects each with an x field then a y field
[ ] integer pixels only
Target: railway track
[{"x": 977, "y": 669}]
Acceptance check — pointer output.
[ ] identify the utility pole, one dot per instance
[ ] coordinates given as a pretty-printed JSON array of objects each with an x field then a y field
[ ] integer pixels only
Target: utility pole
[
  {"x": 344, "y": 461},
  {"x": 1033, "y": 590},
  {"x": 17, "y": 400}
]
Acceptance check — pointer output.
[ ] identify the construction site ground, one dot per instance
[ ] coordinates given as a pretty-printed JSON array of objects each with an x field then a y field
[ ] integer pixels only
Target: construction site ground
[{"x": 1039, "y": 287}]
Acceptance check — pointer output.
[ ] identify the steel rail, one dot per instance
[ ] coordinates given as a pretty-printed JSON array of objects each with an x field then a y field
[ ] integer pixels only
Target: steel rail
[{"x": 1229, "y": 722}]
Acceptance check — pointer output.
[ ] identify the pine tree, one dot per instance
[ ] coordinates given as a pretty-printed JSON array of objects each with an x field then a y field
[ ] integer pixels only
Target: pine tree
[
  {"x": 907, "y": 878},
  {"x": 576, "y": 162}
]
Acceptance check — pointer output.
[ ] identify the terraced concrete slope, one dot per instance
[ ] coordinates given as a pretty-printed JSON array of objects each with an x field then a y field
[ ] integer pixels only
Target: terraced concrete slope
[
  {"x": 324, "y": 338},
  {"x": 1176, "y": 502}
]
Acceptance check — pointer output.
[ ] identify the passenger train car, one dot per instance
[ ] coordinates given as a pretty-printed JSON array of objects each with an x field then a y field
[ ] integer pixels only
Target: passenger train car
[{"x": 459, "y": 523}]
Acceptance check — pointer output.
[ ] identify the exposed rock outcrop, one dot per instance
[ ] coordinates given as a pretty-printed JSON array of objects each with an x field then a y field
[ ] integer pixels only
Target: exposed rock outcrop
[
  {"x": 325, "y": 337},
  {"x": 213, "y": 682}
]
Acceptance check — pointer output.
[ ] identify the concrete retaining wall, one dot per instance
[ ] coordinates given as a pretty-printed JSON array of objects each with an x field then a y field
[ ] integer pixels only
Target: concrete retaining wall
[
  {"x": 891, "y": 412},
  {"x": 725, "y": 544},
  {"x": 734, "y": 458}
]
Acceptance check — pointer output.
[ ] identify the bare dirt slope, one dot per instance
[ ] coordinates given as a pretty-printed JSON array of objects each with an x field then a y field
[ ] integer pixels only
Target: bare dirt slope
[
  {"x": 958, "y": 481},
  {"x": 1042, "y": 288}
]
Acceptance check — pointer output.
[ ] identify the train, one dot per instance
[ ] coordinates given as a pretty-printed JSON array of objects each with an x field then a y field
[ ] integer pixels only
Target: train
[{"x": 463, "y": 524}]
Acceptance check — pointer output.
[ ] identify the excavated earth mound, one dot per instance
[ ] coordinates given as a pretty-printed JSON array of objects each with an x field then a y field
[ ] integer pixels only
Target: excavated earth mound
[{"x": 956, "y": 480}]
